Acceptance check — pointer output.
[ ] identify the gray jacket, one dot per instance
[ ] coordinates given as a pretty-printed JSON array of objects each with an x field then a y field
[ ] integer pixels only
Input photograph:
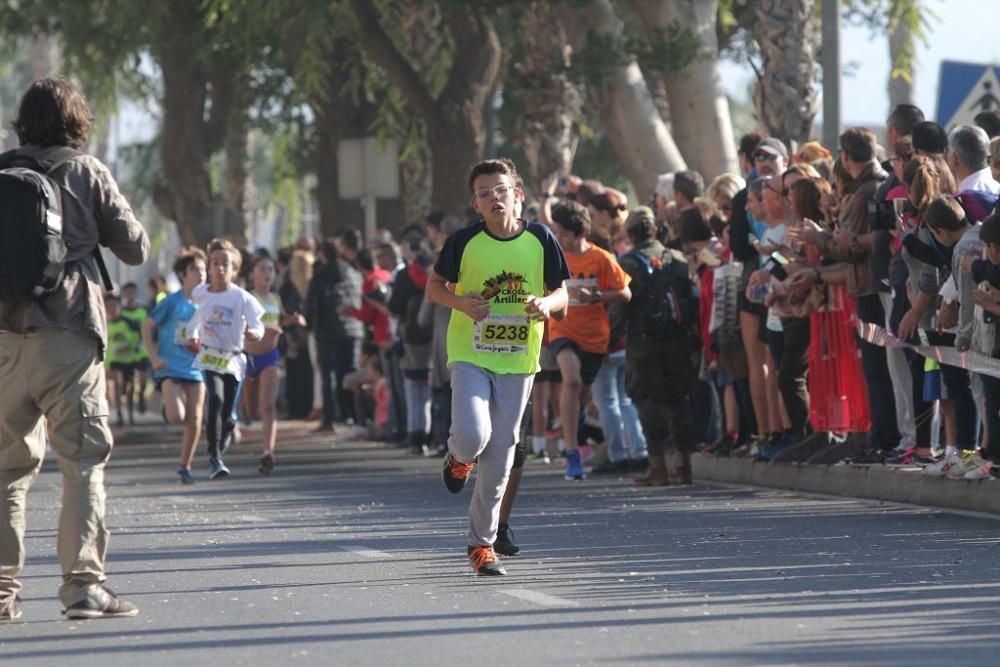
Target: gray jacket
[
  {"x": 968, "y": 245},
  {"x": 94, "y": 213},
  {"x": 437, "y": 316}
]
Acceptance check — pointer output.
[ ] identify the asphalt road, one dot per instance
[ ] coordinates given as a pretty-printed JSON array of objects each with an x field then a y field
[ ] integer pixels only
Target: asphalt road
[{"x": 354, "y": 554}]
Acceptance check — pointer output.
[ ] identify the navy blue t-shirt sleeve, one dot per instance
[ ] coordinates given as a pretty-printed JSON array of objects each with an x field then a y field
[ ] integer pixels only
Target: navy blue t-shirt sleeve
[
  {"x": 555, "y": 268},
  {"x": 449, "y": 261}
]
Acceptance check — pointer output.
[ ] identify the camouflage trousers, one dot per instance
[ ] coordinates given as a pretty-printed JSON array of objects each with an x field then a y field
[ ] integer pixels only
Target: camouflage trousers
[{"x": 659, "y": 377}]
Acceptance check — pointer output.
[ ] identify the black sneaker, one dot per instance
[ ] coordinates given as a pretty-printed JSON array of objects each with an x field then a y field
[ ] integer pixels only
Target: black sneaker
[
  {"x": 266, "y": 464},
  {"x": 836, "y": 452},
  {"x": 610, "y": 467},
  {"x": 869, "y": 456},
  {"x": 456, "y": 473},
  {"x": 484, "y": 561},
  {"x": 504, "y": 545},
  {"x": 12, "y": 611},
  {"x": 108, "y": 605}
]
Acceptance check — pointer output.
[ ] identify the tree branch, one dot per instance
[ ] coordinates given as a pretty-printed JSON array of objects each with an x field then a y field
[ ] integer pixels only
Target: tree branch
[
  {"x": 379, "y": 47},
  {"x": 477, "y": 61}
]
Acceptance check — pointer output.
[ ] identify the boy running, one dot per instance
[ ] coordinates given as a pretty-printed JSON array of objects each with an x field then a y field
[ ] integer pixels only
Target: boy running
[
  {"x": 226, "y": 316},
  {"x": 507, "y": 279},
  {"x": 580, "y": 342},
  {"x": 123, "y": 342},
  {"x": 180, "y": 383}
]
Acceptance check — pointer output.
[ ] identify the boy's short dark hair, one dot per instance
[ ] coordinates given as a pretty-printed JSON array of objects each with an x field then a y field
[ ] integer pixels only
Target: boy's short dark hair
[
  {"x": 573, "y": 217},
  {"x": 129, "y": 285},
  {"x": 749, "y": 143},
  {"x": 859, "y": 143},
  {"x": 186, "y": 259},
  {"x": 989, "y": 121},
  {"x": 109, "y": 297},
  {"x": 930, "y": 138},
  {"x": 693, "y": 226},
  {"x": 502, "y": 166},
  {"x": 990, "y": 231},
  {"x": 350, "y": 237},
  {"x": 690, "y": 184},
  {"x": 904, "y": 117}
]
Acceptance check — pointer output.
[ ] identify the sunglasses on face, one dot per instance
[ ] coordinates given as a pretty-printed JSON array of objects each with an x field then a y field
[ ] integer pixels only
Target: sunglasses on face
[{"x": 764, "y": 157}]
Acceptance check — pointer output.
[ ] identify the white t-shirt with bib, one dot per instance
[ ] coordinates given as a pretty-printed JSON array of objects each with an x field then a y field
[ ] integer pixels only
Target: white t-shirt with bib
[{"x": 220, "y": 322}]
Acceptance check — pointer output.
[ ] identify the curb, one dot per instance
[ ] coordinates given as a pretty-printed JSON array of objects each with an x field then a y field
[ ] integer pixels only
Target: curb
[{"x": 875, "y": 482}]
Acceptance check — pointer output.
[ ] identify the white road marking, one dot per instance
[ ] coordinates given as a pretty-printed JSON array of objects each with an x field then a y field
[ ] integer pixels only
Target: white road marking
[
  {"x": 543, "y": 599},
  {"x": 366, "y": 552},
  {"x": 253, "y": 518}
]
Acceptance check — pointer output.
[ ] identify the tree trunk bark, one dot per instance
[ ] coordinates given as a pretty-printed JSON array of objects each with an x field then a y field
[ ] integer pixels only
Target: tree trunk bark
[
  {"x": 46, "y": 56},
  {"x": 238, "y": 194},
  {"x": 547, "y": 129},
  {"x": 699, "y": 109},
  {"x": 902, "y": 46},
  {"x": 185, "y": 166},
  {"x": 786, "y": 92},
  {"x": 629, "y": 117},
  {"x": 186, "y": 193},
  {"x": 415, "y": 184},
  {"x": 453, "y": 116}
]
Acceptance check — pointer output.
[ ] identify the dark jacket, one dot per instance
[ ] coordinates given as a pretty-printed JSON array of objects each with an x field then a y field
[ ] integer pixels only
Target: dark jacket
[
  {"x": 334, "y": 284},
  {"x": 854, "y": 218}
]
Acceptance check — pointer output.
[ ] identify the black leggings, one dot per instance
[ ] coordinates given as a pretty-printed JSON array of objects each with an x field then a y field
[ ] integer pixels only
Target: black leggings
[{"x": 221, "y": 397}]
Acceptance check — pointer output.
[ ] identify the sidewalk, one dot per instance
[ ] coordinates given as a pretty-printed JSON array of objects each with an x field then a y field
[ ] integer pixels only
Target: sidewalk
[{"x": 900, "y": 485}]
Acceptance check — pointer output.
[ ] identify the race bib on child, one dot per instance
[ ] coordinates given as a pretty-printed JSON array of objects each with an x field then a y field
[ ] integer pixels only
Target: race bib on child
[
  {"x": 180, "y": 334},
  {"x": 502, "y": 334},
  {"x": 211, "y": 359}
]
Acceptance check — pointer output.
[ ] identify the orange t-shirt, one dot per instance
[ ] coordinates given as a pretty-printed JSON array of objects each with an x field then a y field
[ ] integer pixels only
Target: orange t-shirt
[{"x": 586, "y": 324}]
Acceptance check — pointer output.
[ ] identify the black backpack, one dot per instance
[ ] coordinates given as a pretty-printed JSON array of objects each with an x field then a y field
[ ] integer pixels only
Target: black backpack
[
  {"x": 32, "y": 249},
  {"x": 666, "y": 304}
]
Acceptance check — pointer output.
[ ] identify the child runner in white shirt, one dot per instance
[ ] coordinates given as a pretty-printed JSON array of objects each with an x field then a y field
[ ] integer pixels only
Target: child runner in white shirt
[{"x": 226, "y": 315}]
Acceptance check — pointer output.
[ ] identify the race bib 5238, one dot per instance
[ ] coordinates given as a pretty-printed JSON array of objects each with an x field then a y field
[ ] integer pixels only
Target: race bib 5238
[{"x": 502, "y": 334}]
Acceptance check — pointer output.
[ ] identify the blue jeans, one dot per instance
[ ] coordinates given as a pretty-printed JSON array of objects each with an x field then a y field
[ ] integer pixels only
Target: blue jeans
[{"x": 618, "y": 414}]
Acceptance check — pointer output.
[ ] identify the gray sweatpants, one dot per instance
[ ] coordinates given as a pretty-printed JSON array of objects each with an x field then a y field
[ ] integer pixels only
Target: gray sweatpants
[{"x": 486, "y": 411}]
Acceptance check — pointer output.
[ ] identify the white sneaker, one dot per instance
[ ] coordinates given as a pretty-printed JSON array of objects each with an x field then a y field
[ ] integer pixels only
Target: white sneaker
[
  {"x": 982, "y": 472},
  {"x": 967, "y": 461},
  {"x": 940, "y": 468}
]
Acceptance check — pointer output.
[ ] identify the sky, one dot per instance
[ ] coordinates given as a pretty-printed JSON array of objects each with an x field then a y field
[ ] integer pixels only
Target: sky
[{"x": 962, "y": 30}]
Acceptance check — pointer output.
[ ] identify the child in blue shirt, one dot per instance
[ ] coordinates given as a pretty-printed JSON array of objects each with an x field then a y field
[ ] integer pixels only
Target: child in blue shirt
[{"x": 180, "y": 382}]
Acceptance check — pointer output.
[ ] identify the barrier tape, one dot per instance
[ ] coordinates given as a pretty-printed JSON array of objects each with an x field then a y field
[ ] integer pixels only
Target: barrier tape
[{"x": 970, "y": 361}]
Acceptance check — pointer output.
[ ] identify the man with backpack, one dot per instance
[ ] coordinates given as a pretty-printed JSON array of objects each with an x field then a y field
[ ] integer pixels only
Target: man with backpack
[
  {"x": 661, "y": 322},
  {"x": 59, "y": 204}
]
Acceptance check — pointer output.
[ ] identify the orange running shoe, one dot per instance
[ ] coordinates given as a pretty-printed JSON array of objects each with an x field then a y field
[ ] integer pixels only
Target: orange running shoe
[
  {"x": 456, "y": 473},
  {"x": 484, "y": 561}
]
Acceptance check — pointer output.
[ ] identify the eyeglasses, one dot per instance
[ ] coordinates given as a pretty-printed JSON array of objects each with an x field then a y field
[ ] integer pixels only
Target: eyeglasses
[
  {"x": 766, "y": 157},
  {"x": 500, "y": 191}
]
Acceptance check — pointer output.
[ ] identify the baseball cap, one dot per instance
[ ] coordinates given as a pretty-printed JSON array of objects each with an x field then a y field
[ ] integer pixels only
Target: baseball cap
[
  {"x": 772, "y": 146},
  {"x": 638, "y": 215}
]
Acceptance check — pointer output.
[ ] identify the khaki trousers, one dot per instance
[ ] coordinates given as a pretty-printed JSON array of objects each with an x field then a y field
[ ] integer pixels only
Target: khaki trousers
[{"x": 55, "y": 374}]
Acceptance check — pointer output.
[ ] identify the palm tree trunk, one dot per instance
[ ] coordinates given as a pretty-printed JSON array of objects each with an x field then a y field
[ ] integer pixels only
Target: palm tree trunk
[{"x": 786, "y": 95}]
